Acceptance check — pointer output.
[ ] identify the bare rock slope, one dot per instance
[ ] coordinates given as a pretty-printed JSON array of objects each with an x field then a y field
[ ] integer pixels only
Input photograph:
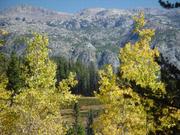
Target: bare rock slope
[{"x": 91, "y": 35}]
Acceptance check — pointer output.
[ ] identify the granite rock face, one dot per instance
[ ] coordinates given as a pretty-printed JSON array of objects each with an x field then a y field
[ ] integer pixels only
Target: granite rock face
[{"x": 91, "y": 35}]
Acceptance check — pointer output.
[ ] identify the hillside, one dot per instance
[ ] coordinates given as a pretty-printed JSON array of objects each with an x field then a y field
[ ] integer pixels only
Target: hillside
[{"x": 91, "y": 35}]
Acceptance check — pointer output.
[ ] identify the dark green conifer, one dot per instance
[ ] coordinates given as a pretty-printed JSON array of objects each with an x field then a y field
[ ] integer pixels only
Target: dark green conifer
[
  {"x": 77, "y": 128},
  {"x": 90, "y": 123},
  {"x": 15, "y": 80}
]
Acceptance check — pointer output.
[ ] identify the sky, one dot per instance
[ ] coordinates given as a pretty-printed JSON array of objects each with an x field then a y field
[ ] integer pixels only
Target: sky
[{"x": 72, "y": 6}]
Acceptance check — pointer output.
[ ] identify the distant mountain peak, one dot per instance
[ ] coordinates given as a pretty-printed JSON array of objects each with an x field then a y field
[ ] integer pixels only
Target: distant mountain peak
[
  {"x": 30, "y": 9},
  {"x": 91, "y": 11},
  {"x": 93, "y": 34}
]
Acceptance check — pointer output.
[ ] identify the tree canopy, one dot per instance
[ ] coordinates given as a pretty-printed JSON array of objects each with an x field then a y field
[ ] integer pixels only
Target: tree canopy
[
  {"x": 134, "y": 99},
  {"x": 36, "y": 107}
]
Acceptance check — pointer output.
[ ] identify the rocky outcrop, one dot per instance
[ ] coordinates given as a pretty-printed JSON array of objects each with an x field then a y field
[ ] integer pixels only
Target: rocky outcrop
[{"x": 91, "y": 35}]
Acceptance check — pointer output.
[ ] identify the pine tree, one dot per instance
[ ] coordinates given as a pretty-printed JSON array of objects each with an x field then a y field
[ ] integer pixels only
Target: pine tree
[
  {"x": 90, "y": 123},
  {"x": 15, "y": 80},
  {"x": 93, "y": 78},
  {"x": 76, "y": 117},
  {"x": 77, "y": 128},
  {"x": 86, "y": 75}
]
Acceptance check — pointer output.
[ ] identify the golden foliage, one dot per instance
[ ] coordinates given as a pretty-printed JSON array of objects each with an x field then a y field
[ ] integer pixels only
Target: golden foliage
[
  {"x": 2, "y": 33},
  {"x": 123, "y": 111},
  {"x": 36, "y": 109},
  {"x": 138, "y": 60}
]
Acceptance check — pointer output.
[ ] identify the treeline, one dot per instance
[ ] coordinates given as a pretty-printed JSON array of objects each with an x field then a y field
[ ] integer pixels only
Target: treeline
[
  {"x": 13, "y": 68},
  {"x": 86, "y": 75}
]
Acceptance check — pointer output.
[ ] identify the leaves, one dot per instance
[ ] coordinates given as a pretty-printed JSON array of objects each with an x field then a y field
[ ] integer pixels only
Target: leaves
[
  {"x": 36, "y": 108},
  {"x": 138, "y": 60},
  {"x": 39, "y": 69},
  {"x": 126, "y": 111},
  {"x": 3, "y": 33},
  {"x": 123, "y": 111}
]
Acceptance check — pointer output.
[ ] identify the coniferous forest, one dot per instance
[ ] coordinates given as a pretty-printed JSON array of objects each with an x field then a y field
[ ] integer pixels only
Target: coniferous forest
[{"x": 53, "y": 95}]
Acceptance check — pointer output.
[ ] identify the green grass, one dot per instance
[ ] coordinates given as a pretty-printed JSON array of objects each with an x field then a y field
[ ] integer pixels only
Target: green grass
[{"x": 86, "y": 101}]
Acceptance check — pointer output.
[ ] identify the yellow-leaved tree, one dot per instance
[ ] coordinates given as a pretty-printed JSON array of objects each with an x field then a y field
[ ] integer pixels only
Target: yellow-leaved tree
[
  {"x": 139, "y": 66},
  {"x": 36, "y": 109},
  {"x": 123, "y": 113},
  {"x": 128, "y": 110},
  {"x": 3, "y": 33},
  {"x": 4, "y": 95},
  {"x": 3, "y": 78},
  {"x": 138, "y": 60}
]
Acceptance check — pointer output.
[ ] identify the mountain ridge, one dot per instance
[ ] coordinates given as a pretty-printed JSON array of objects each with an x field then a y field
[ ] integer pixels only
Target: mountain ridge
[{"x": 94, "y": 34}]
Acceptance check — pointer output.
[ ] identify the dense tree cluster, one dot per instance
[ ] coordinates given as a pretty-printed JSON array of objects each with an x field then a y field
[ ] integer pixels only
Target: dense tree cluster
[
  {"x": 86, "y": 75},
  {"x": 36, "y": 105}
]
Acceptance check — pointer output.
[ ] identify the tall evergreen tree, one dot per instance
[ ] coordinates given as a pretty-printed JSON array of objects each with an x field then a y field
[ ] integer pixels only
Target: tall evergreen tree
[
  {"x": 76, "y": 113},
  {"x": 14, "y": 74},
  {"x": 77, "y": 128},
  {"x": 93, "y": 78},
  {"x": 90, "y": 123},
  {"x": 87, "y": 75}
]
